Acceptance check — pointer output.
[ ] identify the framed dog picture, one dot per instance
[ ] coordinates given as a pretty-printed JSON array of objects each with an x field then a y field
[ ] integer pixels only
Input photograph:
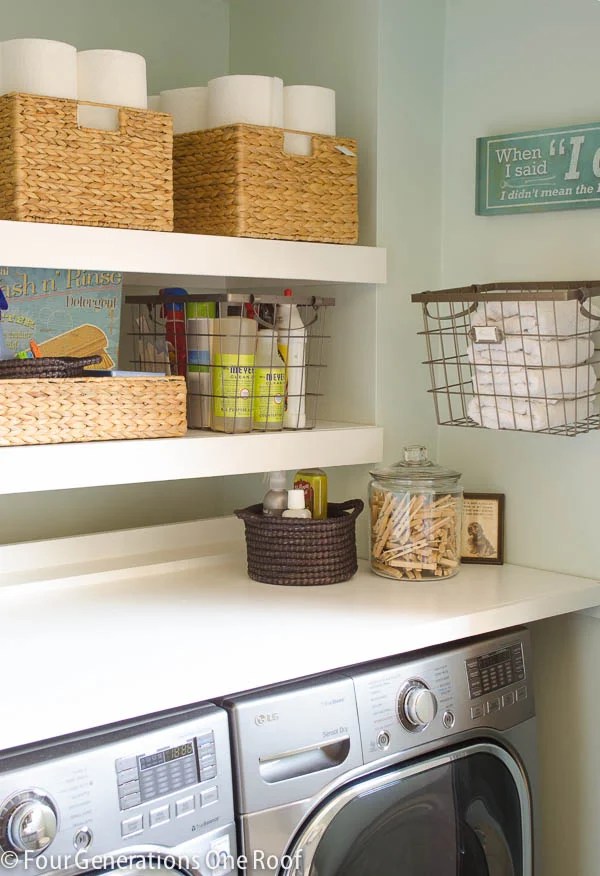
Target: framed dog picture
[{"x": 483, "y": 528}]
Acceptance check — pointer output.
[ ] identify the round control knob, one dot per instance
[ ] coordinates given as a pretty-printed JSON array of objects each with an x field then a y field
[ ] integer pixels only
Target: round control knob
[
  {"x": 29, "y": 825},
  {"x": 417, "y": 706}
]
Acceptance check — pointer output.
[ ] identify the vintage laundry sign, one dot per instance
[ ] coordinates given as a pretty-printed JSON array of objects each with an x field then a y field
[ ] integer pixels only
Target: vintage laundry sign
[{"x": 553, "y": 169}]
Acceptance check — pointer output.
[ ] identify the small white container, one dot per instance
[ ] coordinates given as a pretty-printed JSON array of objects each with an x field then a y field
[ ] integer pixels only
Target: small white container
[{"x": 295, "y": 506}]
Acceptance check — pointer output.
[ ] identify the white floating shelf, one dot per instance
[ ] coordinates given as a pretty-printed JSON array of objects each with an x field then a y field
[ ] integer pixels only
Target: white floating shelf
[
  {"x": 155, "y": 257},
  {"x": 34, "y": 469}
]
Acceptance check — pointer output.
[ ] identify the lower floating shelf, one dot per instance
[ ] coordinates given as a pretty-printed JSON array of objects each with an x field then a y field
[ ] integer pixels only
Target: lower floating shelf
[{"x": 37, "y": 468}]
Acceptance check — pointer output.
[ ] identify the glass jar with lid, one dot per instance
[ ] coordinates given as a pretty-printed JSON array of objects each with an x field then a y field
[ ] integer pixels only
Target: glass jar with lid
[{"x": 416, "y": 509}]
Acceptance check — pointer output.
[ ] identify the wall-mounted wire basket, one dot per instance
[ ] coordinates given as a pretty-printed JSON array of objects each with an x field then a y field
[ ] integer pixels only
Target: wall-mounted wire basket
[
  {"x": 516, "y": 356},
  {"x": 251, "y": 362}
]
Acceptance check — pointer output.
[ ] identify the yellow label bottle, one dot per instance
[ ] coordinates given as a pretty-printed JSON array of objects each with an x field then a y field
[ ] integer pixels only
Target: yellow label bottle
[
  {"x": 269, "y": 384},
  {"x": 314, "y": 483},
  {"x": 232, "y": 373}
]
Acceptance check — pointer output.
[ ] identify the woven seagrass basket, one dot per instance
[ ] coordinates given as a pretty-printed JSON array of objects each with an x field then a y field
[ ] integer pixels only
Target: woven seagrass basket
[
  {"x": 294, "y": 551},
  {"x": 237, "y": 181},
  {"x": 51, "y": 170},
  {"x": 46, "y": 366},
  {"x": 58, "y": 410}
]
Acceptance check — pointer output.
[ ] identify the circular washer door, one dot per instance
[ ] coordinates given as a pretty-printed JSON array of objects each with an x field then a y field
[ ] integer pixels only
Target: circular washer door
[
  {"x": 464, "y": 813},
  {"x": 145, "y": 865}
]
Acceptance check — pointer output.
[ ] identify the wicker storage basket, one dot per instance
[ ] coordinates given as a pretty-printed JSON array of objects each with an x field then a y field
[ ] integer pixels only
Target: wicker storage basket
[
  {"x": 51, "y": 170},
  {"x": 289, "y": 550},
  {"x": 46, "y": 366},
  {"x": 58, "y": 410},
  {"x": 237, "y": 181}
]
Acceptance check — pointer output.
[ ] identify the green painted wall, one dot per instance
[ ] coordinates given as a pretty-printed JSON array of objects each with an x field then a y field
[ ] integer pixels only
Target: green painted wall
[
  {"x": 185, "y": 42},
  {"x": 409, "y": 153}
]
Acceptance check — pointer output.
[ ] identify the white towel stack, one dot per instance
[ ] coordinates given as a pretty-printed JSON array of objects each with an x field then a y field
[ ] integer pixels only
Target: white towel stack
[{"x": 538, "y": 375}]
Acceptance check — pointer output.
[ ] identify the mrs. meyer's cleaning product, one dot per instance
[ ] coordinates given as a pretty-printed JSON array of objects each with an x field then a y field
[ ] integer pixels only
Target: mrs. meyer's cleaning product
[
  {"x": 234, "y": 344},
  {"x": 269, "y": 384},
  {"x": 292, "y": 340}
]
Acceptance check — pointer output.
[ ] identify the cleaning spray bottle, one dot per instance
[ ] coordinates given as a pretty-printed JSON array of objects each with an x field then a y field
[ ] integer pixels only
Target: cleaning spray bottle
[
  {"x": 4, "y": 351},
  {"x": 291, "y": 341}
]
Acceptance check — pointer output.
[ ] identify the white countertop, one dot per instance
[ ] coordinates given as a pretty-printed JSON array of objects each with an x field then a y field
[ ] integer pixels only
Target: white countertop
[{"x": 103, "y": 628}]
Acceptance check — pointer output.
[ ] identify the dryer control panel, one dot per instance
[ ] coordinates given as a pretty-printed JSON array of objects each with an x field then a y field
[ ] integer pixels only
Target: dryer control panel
[
  {"x": 153, "y": 785},
  {"x": 408, "y": 702}
]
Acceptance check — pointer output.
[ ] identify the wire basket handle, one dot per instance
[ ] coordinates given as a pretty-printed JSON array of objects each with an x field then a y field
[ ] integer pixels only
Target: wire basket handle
[
  {"x": 585, "y": 296},
  {"x": 314, "y": 303}
]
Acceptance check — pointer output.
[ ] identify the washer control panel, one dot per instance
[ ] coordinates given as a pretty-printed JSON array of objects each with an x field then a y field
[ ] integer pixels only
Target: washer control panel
[
  {"x": 490, "y": 672},
  {"x": 157, "y": 783},
  {"x": 405, "y": 702},
  {"x": 145, "y": 777}
]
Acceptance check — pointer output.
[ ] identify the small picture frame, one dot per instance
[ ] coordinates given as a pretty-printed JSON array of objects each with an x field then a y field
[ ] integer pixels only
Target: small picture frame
[{"x": 483, "y": 528}]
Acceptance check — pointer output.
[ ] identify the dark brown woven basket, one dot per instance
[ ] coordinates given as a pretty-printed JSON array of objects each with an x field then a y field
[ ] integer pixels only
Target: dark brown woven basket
[
  {"x": 46, "y": 366},
  {"x": 295, "y": 551}
]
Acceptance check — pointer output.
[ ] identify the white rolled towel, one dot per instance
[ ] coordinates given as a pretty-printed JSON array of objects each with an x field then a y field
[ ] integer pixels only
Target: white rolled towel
[
  {"x": 525, "y": 350},
  {"x": 572, "y": 382},
  {"x": 535, "y": 317},
  {"x": 506, "y": 412}
]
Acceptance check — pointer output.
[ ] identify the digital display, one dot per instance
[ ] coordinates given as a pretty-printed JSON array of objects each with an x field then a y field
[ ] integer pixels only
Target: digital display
[
  {"x": 179, "y": 751},
  {"x": 494, "y": 659},
  {"x": 168, "y": 754}
]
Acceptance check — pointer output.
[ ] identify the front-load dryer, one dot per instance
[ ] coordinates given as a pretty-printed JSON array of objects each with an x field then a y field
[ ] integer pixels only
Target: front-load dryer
[
  {"x": 149, "y": 797},
  {"x": 422, "y": 766}
]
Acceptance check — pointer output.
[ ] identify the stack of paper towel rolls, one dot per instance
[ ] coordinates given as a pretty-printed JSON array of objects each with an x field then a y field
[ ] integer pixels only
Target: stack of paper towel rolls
[
  {"x": 254, "y": 100},
  {"x": 53, "y": 69}
]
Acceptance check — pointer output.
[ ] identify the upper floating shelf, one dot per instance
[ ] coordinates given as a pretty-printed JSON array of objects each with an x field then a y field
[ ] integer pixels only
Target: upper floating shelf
[
  {"x": 155, "y": 257},
  {"x": 29, "y": 469}
]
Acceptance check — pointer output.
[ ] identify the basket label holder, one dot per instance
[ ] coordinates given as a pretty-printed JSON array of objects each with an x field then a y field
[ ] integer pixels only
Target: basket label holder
[{"x": 486, "y": 334}]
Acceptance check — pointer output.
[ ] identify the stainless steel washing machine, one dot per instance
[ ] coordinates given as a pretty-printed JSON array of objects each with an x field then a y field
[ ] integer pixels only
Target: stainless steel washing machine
[
  {"x": 149, "y": 795},
  {"x": 420, "y": 766}
]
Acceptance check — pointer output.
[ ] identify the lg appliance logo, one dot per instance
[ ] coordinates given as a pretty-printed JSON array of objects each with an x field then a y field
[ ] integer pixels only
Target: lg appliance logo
[{"x": 266, "y": 718}]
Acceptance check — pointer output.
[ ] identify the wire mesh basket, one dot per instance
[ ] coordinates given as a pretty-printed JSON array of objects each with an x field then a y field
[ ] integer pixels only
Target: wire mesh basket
[
  {"x": 251, "y": 362},
  {"x": 516, "y": 356}
]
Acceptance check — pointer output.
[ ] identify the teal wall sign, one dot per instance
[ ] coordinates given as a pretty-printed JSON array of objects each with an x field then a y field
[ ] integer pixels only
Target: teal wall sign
[{"x": 553, "y": 169}]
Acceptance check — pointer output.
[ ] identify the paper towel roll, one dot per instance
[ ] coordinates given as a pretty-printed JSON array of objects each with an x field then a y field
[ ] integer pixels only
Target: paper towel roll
[
  {"x": 309, "y": 108},
  {"x": 109, "y": 76},
  {"x": 154, "y": 102},
  {"x": 188, "y": 106},
  {"x": 251, "y": 100},
  {"x": 43, "y": 67}
]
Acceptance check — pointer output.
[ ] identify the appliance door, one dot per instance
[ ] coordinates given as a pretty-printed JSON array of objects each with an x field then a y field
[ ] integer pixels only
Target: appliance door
[
  {"x": 146, "y": 867},
  {"x": 464, "y": 813}
]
